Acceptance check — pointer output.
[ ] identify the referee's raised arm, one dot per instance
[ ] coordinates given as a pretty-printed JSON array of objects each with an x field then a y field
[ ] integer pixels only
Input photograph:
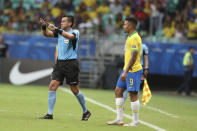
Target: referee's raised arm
[{"x": 46, "y": 32}]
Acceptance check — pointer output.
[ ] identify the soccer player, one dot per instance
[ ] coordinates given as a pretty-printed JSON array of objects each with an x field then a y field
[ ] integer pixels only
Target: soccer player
[
  {"x": 130, "y": 77},
  {"x": 67, "y": 65},
  {"x": 144, "y": 56}
]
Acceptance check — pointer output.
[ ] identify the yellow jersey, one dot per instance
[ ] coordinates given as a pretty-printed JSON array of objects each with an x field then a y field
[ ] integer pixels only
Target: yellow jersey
[
  {"x": 187, "y": 59},
  {"x": 133, "y": 43},
  {"x": 169, "y": 32},
  {"x": 191, "y": 27}
]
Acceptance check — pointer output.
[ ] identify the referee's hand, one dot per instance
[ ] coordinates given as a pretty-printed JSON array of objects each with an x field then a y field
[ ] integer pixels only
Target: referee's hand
[
  {"x": 42, "y": 22},
  {"x": 51, "y": 27}
]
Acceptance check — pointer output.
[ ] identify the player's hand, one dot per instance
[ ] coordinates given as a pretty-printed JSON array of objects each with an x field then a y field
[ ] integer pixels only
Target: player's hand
[
  {"x": 52, "y": 27},
  {"x": 42, "y": 22},
  {"x": 124, "y": 76},
  {"x": 145, "y": 73}
]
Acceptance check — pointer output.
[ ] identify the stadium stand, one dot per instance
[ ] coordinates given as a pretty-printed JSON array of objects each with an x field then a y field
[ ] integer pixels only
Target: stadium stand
[
  {"x": 161, "y": 23},
  {"x": 162, "y": 20}
]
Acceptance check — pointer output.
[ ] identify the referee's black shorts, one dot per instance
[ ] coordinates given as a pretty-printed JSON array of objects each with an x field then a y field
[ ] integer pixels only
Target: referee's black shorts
[{"x": 68, "y": 69}]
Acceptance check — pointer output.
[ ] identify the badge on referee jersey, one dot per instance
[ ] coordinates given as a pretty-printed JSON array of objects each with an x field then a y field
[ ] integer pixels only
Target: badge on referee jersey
[{"x": 66, "y": 41}]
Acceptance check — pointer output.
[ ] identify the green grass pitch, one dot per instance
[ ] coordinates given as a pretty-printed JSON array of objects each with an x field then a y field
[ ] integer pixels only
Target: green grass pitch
[{"x": 20, "y": 107}]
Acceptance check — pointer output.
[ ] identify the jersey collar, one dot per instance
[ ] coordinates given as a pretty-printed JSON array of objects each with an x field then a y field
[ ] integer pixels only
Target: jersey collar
[{"x": 132, "y": 33}]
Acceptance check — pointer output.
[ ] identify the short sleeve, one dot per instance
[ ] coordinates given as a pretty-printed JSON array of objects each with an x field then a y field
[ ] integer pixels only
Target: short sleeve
[
  {"x": 76, "y": 33},
  {"x": 145, "y": 49},
  {"x": 135, "y": 44}
]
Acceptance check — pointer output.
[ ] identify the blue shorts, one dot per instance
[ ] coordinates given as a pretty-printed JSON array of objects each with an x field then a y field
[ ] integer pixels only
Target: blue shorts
[{"x": 132, "y": 82}]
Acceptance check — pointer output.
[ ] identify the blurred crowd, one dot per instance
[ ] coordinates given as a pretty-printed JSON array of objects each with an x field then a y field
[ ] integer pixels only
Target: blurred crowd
[{"x": 161, "y": 18}]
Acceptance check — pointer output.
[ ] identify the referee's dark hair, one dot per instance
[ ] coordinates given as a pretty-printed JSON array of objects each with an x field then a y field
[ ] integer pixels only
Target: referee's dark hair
[
  {"x": 132, "y": 20},
  {"x": 70, "y": 19}
]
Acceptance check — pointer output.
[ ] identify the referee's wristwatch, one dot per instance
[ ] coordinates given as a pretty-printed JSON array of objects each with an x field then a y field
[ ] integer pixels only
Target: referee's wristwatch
[
  {"x": 145, "y": 68},
  {"x": 59, "y": 31},
  {"x": 44, "y": 27}
]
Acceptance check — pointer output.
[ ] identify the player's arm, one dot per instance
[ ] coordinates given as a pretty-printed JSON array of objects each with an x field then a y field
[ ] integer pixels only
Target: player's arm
[
  {"x": 46, "y": 32},
  {"x": 191, "y": 65},
  {"x": 7, "y": 52},
  {"x": 132, "y": 60},
  {"x": 61, "y": 32},
  {"x": 130, "y": 64}
]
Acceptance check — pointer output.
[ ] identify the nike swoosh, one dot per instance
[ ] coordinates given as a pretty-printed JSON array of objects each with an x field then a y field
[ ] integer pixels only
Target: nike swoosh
[{"x": 18, "y": 78}]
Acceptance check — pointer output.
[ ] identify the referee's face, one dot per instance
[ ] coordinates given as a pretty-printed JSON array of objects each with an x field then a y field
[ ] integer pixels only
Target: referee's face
[
  {"x": 65, "y": 23},
  {"x": 127, "y": 26}
]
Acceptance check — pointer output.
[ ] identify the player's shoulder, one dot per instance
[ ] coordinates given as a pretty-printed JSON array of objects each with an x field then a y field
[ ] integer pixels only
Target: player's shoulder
[{"x": 136, "y": 37}]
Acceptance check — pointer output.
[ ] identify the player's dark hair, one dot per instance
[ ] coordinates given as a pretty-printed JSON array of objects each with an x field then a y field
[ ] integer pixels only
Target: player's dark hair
[
  {"x": 70, "y": 19},
  {"x": 132, "y": 20},
  {"x": 191, "y": 47}
]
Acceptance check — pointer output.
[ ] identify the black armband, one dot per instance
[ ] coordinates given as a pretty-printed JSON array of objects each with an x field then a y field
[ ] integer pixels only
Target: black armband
[
  {"x": 58, "y": 31},
  {"x": 74, "y": 35},
  {"x": 44, "y": 27},
  {"x": 145, "y": 68}
]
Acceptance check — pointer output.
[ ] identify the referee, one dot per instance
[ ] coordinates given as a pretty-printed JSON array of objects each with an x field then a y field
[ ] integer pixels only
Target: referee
[
  {"x": 188, "y": 64},
  {"x": 67, "y": 65}
]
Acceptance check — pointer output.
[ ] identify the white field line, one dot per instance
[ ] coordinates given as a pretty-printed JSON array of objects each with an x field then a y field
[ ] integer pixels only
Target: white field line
[
  {"x": 160, "y": 111},
  {"x": 111, "y": 109}
]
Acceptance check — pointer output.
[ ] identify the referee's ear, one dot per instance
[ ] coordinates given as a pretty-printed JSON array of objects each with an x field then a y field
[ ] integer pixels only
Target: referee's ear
[{"x": 70, "y": 24}]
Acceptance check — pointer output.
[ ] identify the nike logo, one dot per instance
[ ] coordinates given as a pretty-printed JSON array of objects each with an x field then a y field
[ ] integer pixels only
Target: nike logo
[{"x": 18, "y": 78}]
